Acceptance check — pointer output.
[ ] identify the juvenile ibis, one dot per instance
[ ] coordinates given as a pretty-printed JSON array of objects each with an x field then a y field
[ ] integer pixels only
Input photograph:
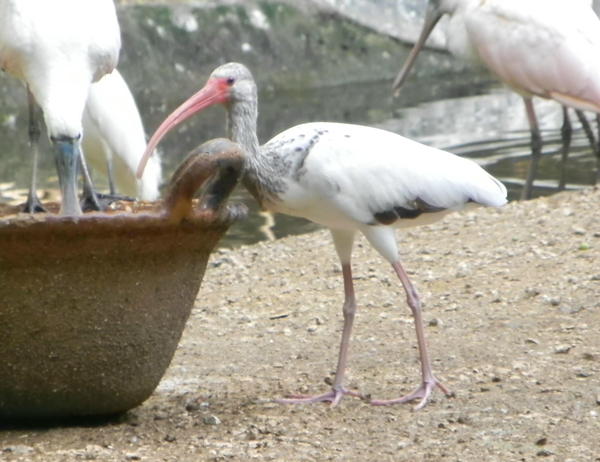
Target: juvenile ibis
[
  {"x": 348, "y": 178},
  {"x": 57, "y": 49},
  {"x": 546, "y": 48},
  {"x": 114, "y": 138}
]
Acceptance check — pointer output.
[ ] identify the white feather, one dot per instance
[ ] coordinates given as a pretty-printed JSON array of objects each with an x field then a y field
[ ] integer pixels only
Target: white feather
[
  {"x": 353, "y": 171},
  {"x": 114, "y": 132},
  {"x": 58, "y": 48}
]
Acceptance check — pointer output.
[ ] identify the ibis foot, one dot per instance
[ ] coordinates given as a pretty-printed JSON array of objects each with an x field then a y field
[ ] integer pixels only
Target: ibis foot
[
  {"x": 114, "y": 197},
  {"x": 33, "y": 204},
  {"x": 334, "y": 396},
  {"x": 422, "y": 393},
  {"x": 101, "y": 201},
  {"x": 90, "y": 202}
]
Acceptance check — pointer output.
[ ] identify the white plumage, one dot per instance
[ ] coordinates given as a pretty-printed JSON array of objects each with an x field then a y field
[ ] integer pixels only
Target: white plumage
[
  {"x": 354, "y": 171},
  {"x": 350, "y": 178},
  {"x": 57, "y": 49},
  {"x": 113, "y": 134},
  {"x": 545, "y": 48}
]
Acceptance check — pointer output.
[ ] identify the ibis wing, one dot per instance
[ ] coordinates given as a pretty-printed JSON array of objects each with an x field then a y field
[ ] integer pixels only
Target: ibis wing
[{"x": 368, "y": 175}]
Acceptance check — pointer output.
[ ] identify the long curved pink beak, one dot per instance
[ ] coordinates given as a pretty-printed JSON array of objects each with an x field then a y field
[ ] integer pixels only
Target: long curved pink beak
[{"x": 215, "y": 91}]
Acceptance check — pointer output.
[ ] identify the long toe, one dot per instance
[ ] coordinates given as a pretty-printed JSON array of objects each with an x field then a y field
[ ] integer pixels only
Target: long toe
[
  {"x": 422, "y": 393},
  {"x": 101, "y": 202},
  {"x": 334, "y": 396},
  {"x": 91, "y": 204},
  {"x": 33, "y": 204},
  {"x": 109, "y": 198},
  {"x": 33, "y": 207}
]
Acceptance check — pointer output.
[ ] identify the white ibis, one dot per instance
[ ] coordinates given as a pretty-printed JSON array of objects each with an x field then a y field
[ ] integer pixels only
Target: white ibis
[
  {"x": 546, "y": 48},
  {"x": 348, "y": 178},
  {"x": 57, "y": 49},
  {"x": 114, "y": 138}
]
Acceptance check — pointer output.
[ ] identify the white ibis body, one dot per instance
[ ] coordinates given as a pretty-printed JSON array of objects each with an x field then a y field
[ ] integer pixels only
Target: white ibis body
[
  {"x": 57, "y": 49},
  {"x": 349, "y": 178},
  {"x": 114, "y": 138},
  {"x": 545, "y": 48}
]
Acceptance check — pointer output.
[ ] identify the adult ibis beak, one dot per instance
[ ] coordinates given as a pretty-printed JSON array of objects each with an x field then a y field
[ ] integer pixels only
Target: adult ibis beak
[
  {"x": 67, "y": 151},
  {"x": 432, "y": 16},
  {"x": 215, "y": 91}
]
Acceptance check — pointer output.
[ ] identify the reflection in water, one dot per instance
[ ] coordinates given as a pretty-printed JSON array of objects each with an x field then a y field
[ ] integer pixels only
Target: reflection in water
[
  {"x": 469, "y": 115},
  {"x": 492, "y": 129}
]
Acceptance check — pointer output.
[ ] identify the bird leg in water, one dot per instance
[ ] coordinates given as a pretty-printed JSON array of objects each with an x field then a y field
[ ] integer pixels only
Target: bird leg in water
[
  {"x": 93, "y": 200},
  {"x": 337, "y": 390},
  {"x": 587, "y": 129},
  {"x": 536, "y": 148},
  {"x": 429, "y": 382},
  {"x": 33, "y": 204},
  {"x": 565, "y": 131},
  {"x": 589, "y": 133},
  {"x": 96, "y": 200},
  {"x": 106, "y": 199}
]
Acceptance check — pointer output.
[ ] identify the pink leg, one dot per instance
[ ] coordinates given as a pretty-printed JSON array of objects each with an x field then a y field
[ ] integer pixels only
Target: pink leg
[
  {"x": 337, "y": 390},
  {"x": 429, "y": 382}
]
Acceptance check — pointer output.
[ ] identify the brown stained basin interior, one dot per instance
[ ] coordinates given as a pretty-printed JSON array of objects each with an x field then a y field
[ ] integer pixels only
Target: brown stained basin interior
[{"x": 92, "y": 308}]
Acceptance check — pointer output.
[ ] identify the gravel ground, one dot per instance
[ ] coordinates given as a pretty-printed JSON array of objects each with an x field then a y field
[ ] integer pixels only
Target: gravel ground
[{"x": 511, "y": 299}]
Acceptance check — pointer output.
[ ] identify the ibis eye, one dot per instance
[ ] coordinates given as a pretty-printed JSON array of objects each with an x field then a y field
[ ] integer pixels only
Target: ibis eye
[{"x": 230, "y": 81}]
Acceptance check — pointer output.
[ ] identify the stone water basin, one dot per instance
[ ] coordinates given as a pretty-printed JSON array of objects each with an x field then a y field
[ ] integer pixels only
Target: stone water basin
[{"x": 92, "y": 308}]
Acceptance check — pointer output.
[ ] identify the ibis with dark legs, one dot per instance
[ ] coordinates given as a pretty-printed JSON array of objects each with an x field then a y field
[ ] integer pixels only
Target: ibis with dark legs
[
  {"x": 57, "y": 49},
  {"x": 349, "y": 178},
  {"x": 546, "y": 48}
]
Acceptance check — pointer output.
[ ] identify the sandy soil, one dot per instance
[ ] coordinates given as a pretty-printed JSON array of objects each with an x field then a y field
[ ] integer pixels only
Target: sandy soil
[{"x": 512, "y": 306}]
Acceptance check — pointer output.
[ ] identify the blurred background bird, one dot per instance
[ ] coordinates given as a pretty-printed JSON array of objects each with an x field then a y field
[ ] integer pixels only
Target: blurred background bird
[
  {"x": 114, "y": 139},
  {"x": 58, "y": 49},
  {"x": 545, "y": 48}
]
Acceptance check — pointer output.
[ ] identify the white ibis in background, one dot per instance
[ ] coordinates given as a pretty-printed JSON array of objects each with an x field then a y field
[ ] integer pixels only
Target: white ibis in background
[
  {"x": 348, "y": 178},
  {"x": 57, "y": 49},
  {"x": 546, "y": 48},
  {"x": 114, "y": 138}
]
